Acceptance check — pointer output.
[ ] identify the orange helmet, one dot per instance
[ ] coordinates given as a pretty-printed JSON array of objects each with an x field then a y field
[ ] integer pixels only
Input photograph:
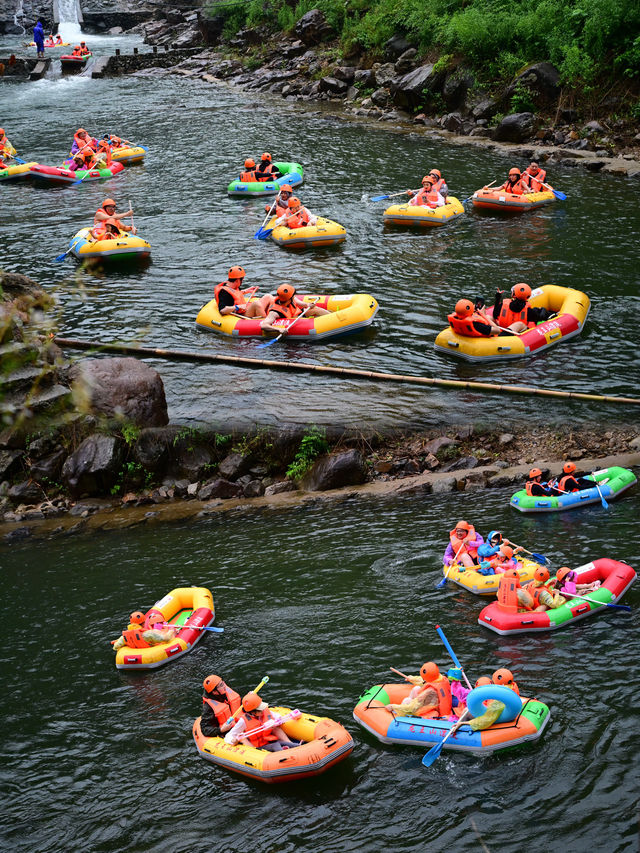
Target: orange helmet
[
  {"x": 436, "y": 172},
  {"x": 512, "y": 573},
  {"x": 482, "y": 681},
  {"x": 535, "y": 472},
  {"x": 236, "y": 272},
  {"x": 251, "y": 701},
  {"x": 562, "y": 572},
  {"x": 112, "y": 221},
  {"x": 77, "y": 47},
  {"x": 80, "y": 129},
  {"x": 569, "y": 467},
  {"x": 211, "y": 682},
  {"x": 1, "y": 131},
  {"x": 286, "y": 188},
  {"x": 521, "y": 291},
  {"x": 286, "y": 292},
  {"x": 429, "y": 671},
  {"x": 136, "y": 618},
  {"x": 502, "y": 676},
  {"x": 249, "y": 163},
  {"x": 428, "y": 179},
  {"x": 294, "y": 202},
  {"x": 108, "y": 202},
  {"x": 464, "y": 525},
  {"x": 464, "y": 308},
  {"x": 266, "y": 156},
  {"x": 541, "y": 574},
  {"x": 506, "y": 551},
  {"x": 514, "y": 171}
]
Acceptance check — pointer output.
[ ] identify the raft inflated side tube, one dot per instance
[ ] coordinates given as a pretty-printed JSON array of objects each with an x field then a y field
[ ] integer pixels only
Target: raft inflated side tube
[{"x": 509, "y": 698}]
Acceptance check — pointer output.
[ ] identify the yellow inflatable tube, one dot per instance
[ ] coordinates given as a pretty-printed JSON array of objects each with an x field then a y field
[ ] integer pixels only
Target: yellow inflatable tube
[
  {"x": 325, "y": 232},
  {"x": 487, "y": 584},
  {"x": 417, "y": 216}
]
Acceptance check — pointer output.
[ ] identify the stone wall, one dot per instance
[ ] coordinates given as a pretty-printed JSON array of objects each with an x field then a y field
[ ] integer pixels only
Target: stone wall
[
  {"x": 31, "y": 12},
  {"x": 117, "y": 65}
]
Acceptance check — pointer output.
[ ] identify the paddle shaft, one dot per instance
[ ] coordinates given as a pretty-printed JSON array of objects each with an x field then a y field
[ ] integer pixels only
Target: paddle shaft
[
  {"x": 292, "y": 715},
  {"x": 447, "y": 646},
  {"x": 487, "y": 187},
  {"x": 441, "y": 583},
  {"x": 257, "y": 690},
  {"x": 288, "y": 329},
  {"x": 131, "y": 209},
  {"x": 391, "y": 195},
  {"x": 397, "y": 671},
  {"x": 195, "y": 627},
  {"x": 435, "y": 750},
  {"x": 595, "y": 601}
]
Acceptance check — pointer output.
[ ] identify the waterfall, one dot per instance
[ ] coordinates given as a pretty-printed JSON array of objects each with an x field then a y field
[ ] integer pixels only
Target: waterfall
[
  {"x": 69, "y": 27},
  {"x": 19, "y": 14}
]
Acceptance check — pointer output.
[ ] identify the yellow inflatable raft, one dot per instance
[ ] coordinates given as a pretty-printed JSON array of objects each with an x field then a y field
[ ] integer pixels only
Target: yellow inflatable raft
[
  {"x": 487, "y": 584},
  {"x": 190, "y": 609},
  {"x": 325, "y": 232},
  {"x": 349, "y": 314},
  {"x": 130, "y": 154},
  {"x": 417, "y": 216},
  {"x": 125, "y": 247},
  {"x": 569, "y": 306},
  {"x": 324, "y": 743},
  {"x": 20, "y": 170}
]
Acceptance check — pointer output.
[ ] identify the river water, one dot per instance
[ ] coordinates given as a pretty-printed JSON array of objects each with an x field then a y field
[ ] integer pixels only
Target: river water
[
  {"x": 198, "y": 135},
  {"x": 103, "y": 761}
]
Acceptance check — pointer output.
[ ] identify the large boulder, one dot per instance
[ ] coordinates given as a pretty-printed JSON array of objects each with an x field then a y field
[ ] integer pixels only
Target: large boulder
[
  {"x": 384, "y": 74},
  {"x": 455, "y": 88},
  {"x": 26, "y": 492},
  {"x": 335, "y": 471},
  {"x": 542, "y": 80},
  {"x": 516, "y": 127},
  {"x": 396, "y": 46},
  {"x": 410, "y": 90},
  {"x": 93, "y": 468},
  {"x": 122, "y": 388},
  {"x": 234, "y": 465},
  {"x": 153, "y": 446},
  {"x": 333, "y": 86},
  {"x": 312, "y": 28}
]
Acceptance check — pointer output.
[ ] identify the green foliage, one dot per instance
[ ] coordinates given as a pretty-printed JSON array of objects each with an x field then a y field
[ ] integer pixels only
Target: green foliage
[
  {"x": 313, "y": 444},
  {"x": 130, "y": 433},
  {"x": 521, "y": 101}
]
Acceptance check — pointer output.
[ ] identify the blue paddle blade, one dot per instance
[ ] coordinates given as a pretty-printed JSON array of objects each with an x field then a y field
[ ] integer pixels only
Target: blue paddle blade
[
  {"x": 540, "y": 558},
  {"x": 60, "y": 258},
  {"x": 559, "y": 195},
  {"x": 432, "y": 755},
  {"x": 378, "y": 197},
  {"x": 268, "y": 343},
  {"x": 19, "y": 160},
  {"x": 441, "y": 583},
  {"x": 215, "y": 629}
]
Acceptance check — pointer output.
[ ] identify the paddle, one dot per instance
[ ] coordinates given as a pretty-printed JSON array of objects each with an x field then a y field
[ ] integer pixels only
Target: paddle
[
  {"x": 539, "y": 558},
  {"x": 435, "y": 751},
  {"x": 292, "y": 715},
  {"x": 605, "y": 505},
  {"x": 287, "y": 330},
  {"x": 17, "y": 159},
  {"x": 261, "y": 233},
  {"x": 556, "y": 193},
  {"x": 471, "y": 196},
  {"x": 239, "y": 708},
  {"x": 441, "y": 583},
  {"x": 453, "y": 654},
  {"x": 397, "y": 671},
  {"x": 60, "y": 258},
  {"x": 196, "y": 627},
  {"x": 595, "y": 601},
  {"x": 391, "y": 195},
  {"x": 132, "y": 225}
]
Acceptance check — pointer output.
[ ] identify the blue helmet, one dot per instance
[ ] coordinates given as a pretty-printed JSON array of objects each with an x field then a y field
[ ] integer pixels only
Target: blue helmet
[{"x": 493, "y": 533}]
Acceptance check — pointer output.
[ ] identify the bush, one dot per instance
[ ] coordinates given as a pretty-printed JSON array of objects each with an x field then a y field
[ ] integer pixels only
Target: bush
[{"x": 314, "y": 443}]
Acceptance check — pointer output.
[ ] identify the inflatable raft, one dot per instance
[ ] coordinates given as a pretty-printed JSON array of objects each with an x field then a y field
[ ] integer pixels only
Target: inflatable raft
[
  {"x": 125, "y": 248},
  {"x": 416, "y": 216},
  {"x": 191, "y": 608},
  {"x": 570, "y": 308},
  {"x": 487, "y": 584},
  {"x": 292, "y": 174},
  {"x": 129, "y": 155},
  {"x": 349, "y": 314},
  {"x": 72, "y": 63},
  {"x": 61, "y": 175},
  {"x": 612, "y": 482},
  {"x": 615, "y": 577},
  {"x": 325, "y": 743},
  {"x": 325, "y": 232},
  {"x": 522, "y": 720},
  {"x": 510, "y": 203},
  {"x": 20, "y": 170}
]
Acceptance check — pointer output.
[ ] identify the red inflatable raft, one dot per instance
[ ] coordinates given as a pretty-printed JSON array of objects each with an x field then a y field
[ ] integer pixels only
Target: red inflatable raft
[{"x": 60, "y": 175}]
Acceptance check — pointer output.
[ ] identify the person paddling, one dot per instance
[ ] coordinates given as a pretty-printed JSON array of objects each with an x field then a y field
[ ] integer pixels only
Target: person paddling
[
  {"x": 286, "y": 306},
  {"x": 108, "y": 211}
]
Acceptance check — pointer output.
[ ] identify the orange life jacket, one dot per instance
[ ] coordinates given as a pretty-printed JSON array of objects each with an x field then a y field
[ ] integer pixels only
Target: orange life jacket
[
  {"x": 238, "y": 298},
  {"x": 426, "y": 198},
  {"x": 506, "y": 316},
  {"x": 299, "y": 219},
  {"x": 248, "y": 177},
  {"x": 464, "y": 325},
  {"x": 534, "y": 182},
  {"x": 105, "y": 148},
  {"x": 266, "y": 174},
  {"x": 517, "y": 189},
  {"x": 456, "y": 543},
  {"x": 99, "y": 231},
  {"x": 83, "y": 143},
  {"x": 568, "y": 483},
  {"x": 442, "y": 686},
  {"x": 223, "y": 710},
  {"x": 261, "y": 738},
  {"x": 507, "y": 593},
  {"x": 134, "y": 639},
  {"x": 535, "y": 590},
  {"x": 287, "y": 311},
  {"x": 439, "y": 184}
]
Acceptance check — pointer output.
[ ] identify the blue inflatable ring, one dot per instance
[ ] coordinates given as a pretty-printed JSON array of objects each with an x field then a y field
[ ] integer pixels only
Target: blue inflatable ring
[{"x": 510, "y": 699}]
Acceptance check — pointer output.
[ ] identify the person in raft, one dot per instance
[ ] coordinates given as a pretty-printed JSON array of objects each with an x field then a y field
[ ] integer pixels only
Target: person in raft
[
  {"x": 219, "y": 702},
  {"x": 38, "y": 37},
  {"x": 296, "y": 216},
  {"x": 256, "y": 714},
  {"x": 82, "y": 160},
  {"x": 430, "y": 695},
  {"x": 428, "y": 196},
  {"x": 572, "y": 480},
  {"x": 463, "y": 545},
  {"x": 107, "y": 230},
  {"x": 82, "y": 140},
  {"x": 472, "y": 321},
  {"x": 492, "y": 544},
  {"x": 542, "y": 592},
  {"x": 566, "y": 582},
  {"x": 136, "y": 637},
  {"x": 504, "y": 678},
  {"x": 6, "y": 148},
  {"x": 516, "y": 314},
  {"x": 535, "y": 488},
  {"x": 232, "y": 300},
  {"x": 59, "y": 39},
  {"x": 285, "y": 305},
  {"x": 266, "y": 171},
  {"x": 280, "y": 206},
  {"x": 533, "y": 177},
  {"x": 249, "y": 176},
  {"x": 108, "y": 211},
  {"x": 84, "y": 50},
  {"x": 514, "y": 183},
  {"x": 440, "y": 185}
]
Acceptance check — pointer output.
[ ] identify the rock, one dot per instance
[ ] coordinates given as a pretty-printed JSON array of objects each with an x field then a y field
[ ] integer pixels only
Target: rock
[
  {"x": 234, "y": 465},
  {"x": 192, "y": 489},
  {"x": 396, "y": 46},
  {"x": 191, "y": 461},
  {"x": 115, "y": 31},
  {"x": 253, "y": 489},
  {"x": 515, "y": 128},
  {"x": 336, "y": 470},
  {"x": 345, "y": 72},
  {"x": 383, "y": 466},
  {"x": 506, "y": 479},
  {"x": 84, "y": 509},
  {"x": 430, "y": 462},
  {"x": 452, "y": 122},
  {"x": 505, "y": 438},
  {"x": 634, "y": 444},
  {"x": 410, "y": 90},
  {"x": 180, "y": 488},
  {"x": 48, "y": 467},
  {"x": 123, "y": 388},
  {"x": 153, "y": 446},
  {"x": 380, "y": 97},
  {"x": 94, "y": 466},
  {"x": 9, "y": 463},
  {"x": 384, "y": 74},
  {"x": 365, "y": 78},
  {"x": 461, "y": 464},
  {"x": 189, "y": 38},
  {"x": 542, "y": 80},
  {"x": 17, "y": 534},
  {"x": 312, "y": 28},
  {"x": 443, "y": 484},
  {"x": 593, "y": 127},
  {"x": 405, "y": 61},
  {"x": 472, "y": 482},
  {"x": 464, "y": 432},
  {"x": 456, "y": 87},
  {"x": 297, "y": 48},
  {"x": 26, "y": 492},
  {"x": 333, "y": 85},
  {"x": 219, "y": 488},
  {"x": 485, "y": 109},
  {"x": 437, "y": 444},
  {"x": 280, "y": 487}
]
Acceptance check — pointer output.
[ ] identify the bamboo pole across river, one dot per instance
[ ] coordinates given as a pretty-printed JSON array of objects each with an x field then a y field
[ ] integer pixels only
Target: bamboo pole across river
[{"x": 304, "y": 367}]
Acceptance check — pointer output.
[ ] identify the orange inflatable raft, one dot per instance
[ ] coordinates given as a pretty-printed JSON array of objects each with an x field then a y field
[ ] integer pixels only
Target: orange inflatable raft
[
  {"x": 510, "y": 202},
  {"x": 324, "y": 743}
]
